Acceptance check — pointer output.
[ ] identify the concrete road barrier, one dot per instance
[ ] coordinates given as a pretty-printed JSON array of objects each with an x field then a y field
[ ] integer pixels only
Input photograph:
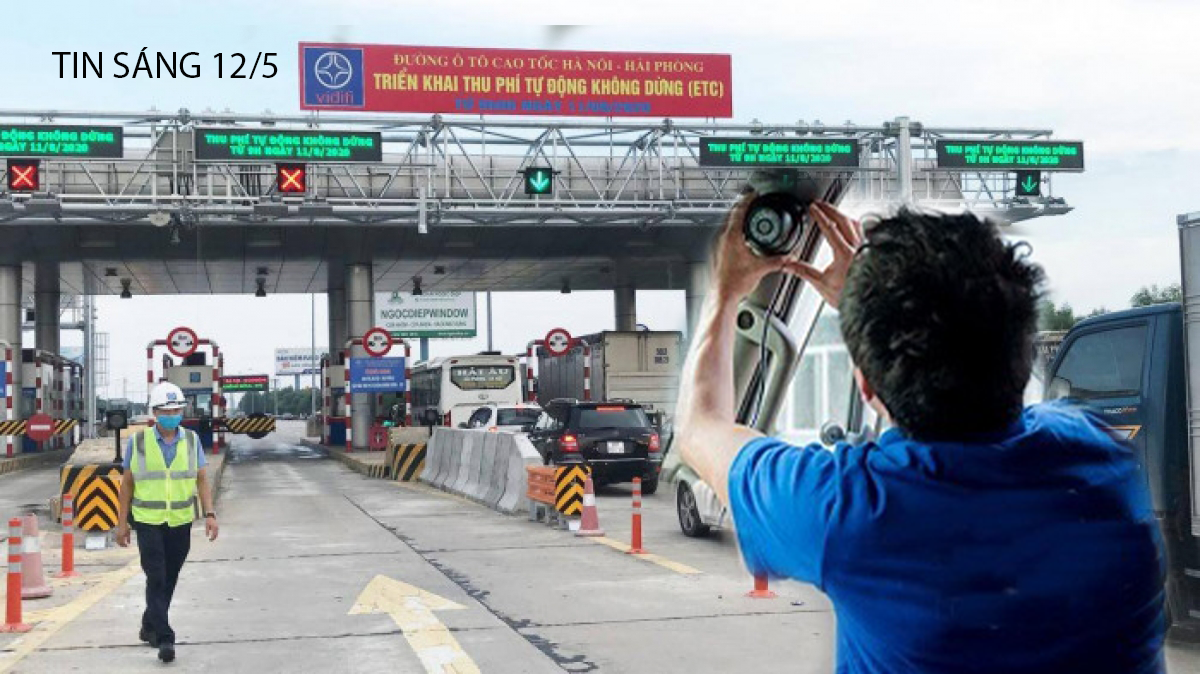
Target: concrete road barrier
[
  {"x": 486, "y": 467},
  {"x": 480, "y": 479},
  {"x": 463, "y": 461},
  {"x": 520, "y": 454}
]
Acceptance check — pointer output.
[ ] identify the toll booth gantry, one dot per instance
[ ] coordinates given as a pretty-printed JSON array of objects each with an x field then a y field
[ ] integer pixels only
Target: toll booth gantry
[{"x": 170, "y": 203}]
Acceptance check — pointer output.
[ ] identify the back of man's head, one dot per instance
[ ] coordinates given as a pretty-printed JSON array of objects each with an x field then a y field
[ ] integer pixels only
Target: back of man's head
[{"x": 939, "y": 313}]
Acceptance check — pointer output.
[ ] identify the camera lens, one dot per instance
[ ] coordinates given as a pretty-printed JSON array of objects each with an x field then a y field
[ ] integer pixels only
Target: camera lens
[
  {"x": 768, "y": 227},
  {"x": 772, "y": 225}
]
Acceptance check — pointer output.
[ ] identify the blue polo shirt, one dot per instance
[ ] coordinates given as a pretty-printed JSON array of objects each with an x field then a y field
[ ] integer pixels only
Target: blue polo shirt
[
  {"x": 168, "y": 448},
  {"x": 1033, "y": 551}
]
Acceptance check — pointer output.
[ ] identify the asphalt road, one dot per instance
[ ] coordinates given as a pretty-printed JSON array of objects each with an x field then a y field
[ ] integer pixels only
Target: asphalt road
[{"x": 320, "y": 569}]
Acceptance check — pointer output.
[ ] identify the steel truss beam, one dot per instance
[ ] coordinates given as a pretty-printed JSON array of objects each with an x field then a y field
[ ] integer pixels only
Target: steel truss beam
[{"x": 467, "y": 172}]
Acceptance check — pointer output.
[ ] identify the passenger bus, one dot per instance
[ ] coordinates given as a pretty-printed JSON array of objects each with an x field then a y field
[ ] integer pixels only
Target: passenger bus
[{"x": 456, "y": 386}]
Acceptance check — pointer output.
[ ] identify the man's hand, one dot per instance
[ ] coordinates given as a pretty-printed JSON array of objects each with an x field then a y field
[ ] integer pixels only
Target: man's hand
[
  {"x": 737, "y": 270},
  {"x": 211, "y": 528},
  {"x": 123, "y": 534},
  {"x": 844, "y": 236}
]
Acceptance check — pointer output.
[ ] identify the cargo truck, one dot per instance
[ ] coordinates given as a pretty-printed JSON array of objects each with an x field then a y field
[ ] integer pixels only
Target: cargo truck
[
  {"x": 1140, "y": 371},
  {"x": 642, "y": 366}
]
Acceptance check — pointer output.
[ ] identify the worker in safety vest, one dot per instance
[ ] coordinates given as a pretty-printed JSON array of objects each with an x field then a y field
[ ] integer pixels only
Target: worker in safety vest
[{"x": 163, "y": 490}]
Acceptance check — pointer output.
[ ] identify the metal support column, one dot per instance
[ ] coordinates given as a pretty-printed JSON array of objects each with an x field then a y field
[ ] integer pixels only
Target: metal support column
[
  {"x": 360, "y": 315},
  {"x": 89, "y": 364},
  {"x": 904, "y": 160}
]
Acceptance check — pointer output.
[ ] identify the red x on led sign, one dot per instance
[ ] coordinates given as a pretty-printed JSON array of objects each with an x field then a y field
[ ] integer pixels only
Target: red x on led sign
[
  {"x": 23, "y": 175},
  {"x": 291, "y": 178}
]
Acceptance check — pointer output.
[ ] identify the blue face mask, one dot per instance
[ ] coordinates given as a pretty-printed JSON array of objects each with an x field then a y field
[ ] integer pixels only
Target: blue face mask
[{"x": 170, "y": 421}]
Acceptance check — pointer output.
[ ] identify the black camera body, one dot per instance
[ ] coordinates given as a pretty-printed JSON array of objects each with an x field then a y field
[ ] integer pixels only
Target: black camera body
[{"x": 776, "y": 219}]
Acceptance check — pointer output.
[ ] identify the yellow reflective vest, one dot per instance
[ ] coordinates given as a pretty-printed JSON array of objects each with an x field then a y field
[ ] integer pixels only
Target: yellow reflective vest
[{"x": 164, "y": 494}]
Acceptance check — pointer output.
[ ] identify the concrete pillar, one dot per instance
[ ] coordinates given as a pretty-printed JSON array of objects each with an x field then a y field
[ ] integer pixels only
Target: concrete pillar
[
  {"x": 360, "y": 317},
  {"x": 46, "y": 306},
  {"x": 10, "y": 332},
  {"x": 626, "y": 305},
  {"x": 695, "y": 292},
  {"x": 336, "y": 296}
]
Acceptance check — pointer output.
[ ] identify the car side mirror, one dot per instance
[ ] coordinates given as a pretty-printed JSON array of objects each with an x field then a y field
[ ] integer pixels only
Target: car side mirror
[
  {"x": 1058, "y": 389},
  {"x": 832, "y": 433}
]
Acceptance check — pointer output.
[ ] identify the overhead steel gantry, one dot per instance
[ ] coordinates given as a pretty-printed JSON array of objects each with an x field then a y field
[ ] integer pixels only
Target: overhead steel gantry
[{"x": 439, "y": 172}]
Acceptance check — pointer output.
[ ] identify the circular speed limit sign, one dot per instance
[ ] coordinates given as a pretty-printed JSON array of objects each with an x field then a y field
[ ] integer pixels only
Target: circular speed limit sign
[
  {"x": 182, "y": 342},
  {"x": 558, "y": 341},
  {"x": 377, "y": 342}
]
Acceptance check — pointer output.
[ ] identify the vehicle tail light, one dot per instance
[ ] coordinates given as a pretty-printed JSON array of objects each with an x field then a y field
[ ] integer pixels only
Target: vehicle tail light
[
  {"x": 447, "y": 419},
  {"x": 492, "y": 429},
  {"x": 655, "y": 443},
  {"x": 568, "y": 443}
]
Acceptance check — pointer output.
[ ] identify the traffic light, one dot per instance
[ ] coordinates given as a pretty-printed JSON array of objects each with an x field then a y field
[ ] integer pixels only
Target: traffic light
[
  {"x": 291, "y": 178},
  {"x": 539, "y": 180},
  {"x": 1029, "y": 183},
  {"x": 24, "y": 175}
]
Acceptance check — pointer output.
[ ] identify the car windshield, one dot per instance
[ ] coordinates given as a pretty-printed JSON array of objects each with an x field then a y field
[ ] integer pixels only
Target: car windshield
[
  {"x": 516, "y": 416},
  {"x": 612, "y": 416}
]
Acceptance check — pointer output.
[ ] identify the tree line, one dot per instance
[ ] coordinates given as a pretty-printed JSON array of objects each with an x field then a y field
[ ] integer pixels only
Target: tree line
[{"x": 1053, "y": 316}]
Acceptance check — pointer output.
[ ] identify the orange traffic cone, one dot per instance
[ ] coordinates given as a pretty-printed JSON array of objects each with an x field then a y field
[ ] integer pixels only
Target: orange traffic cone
[
  {"x": 590, "y": 524},
  {"x": 762, "y": 590},
  {"x": 33, "y": 580}
]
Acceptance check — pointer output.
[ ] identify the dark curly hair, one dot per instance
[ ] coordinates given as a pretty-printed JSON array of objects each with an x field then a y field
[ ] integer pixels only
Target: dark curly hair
[{"x": 939, "y": 313}]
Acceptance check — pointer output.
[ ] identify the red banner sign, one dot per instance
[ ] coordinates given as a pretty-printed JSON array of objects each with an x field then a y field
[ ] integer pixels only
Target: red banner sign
[{"x": 514, "y": 81}]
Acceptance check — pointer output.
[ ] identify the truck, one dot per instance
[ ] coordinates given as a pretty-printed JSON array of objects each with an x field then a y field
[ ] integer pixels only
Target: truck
[
  {"x": 1139, "y": 370},
  {"x": 643, "y": 366}
]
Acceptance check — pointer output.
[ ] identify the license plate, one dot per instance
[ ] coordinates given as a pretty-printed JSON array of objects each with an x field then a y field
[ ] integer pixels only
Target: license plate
[{"x": 616, "y": 447}]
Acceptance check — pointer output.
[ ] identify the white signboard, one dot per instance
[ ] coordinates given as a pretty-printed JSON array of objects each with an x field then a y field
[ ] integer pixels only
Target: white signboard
[
  {"x": 290, "y": 362},
  {"x": 426, "y": 315}
]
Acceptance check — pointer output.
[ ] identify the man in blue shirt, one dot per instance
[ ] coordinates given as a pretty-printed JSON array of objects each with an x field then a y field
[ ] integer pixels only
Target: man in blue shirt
[{"x": 974, "y": 536}]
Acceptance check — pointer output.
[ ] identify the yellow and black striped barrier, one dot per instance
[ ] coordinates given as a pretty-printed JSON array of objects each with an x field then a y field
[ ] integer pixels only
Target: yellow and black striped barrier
[
  {"x": 12, "y": 427},
  {"x": 95, "y": 488},
  {"x": 405, "y": 462},
  {"x": 568, "y": 489},
  {"x": 252, "y": 426},
  {"x": 63, "y": 426}
]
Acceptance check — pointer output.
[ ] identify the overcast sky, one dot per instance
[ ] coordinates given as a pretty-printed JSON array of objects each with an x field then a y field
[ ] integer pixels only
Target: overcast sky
[{"x": 1122, "y": 76}]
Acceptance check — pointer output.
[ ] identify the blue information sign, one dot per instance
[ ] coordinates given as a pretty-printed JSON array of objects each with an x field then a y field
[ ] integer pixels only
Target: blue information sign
[{"x": 377, "y": 375}]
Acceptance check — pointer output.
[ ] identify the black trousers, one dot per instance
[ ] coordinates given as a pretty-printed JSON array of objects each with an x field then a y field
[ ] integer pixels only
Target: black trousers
[{"x": 163, "y": 550}]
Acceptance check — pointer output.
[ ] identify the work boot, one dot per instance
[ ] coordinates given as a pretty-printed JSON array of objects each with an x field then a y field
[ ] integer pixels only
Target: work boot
[
  {"x": 149, "y": 637},
  {"x": 166, "y": 652}
]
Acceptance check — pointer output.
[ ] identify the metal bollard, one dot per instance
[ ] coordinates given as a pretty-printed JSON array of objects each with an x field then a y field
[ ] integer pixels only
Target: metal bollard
[
  {"x": 68, "y": 538},
  {"x": 635, "y": 547},
  {"x": 12, "y": 613}
]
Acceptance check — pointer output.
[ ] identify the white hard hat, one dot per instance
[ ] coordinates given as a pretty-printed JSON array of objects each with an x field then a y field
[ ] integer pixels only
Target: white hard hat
[{"x": 167, "y": 396}]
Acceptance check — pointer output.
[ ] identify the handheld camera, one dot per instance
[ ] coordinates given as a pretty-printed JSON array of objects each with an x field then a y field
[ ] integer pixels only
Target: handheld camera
[{"x": 776, "y": 218}]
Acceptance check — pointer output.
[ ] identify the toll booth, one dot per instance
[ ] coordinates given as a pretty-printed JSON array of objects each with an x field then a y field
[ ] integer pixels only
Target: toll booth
[
  {"x": 194, "y": 376},
  {"x": 51, "y": 385},
  {"x": 333, "y": 401},
  {"x": 198, "y": 374}
]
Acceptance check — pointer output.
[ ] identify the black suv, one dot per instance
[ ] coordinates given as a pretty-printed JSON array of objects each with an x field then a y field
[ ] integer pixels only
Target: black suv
[{"x": 614, "y": 438}]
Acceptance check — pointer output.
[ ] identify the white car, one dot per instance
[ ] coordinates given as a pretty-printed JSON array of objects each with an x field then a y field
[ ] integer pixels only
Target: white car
[{"x": 512, "y": 417}]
